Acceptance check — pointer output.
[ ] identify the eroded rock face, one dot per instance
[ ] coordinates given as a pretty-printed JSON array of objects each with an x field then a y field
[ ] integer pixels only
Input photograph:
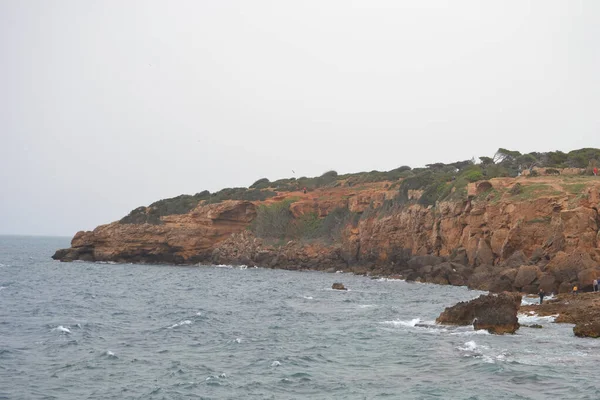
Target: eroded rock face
[
  {"x": 550, "y": 241},
  {"x": 496, "y": 313},
  {"x": 185, "y": 238}
]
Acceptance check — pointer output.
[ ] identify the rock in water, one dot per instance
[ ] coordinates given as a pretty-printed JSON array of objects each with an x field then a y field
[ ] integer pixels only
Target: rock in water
[
  {"x": 587, "y": 329},
  {"x": 496, "y": 313},
  {"x": 338, "y": 286}
]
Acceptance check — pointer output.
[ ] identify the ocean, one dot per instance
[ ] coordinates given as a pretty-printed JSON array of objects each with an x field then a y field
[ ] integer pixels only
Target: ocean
[{"x": 113, "y": 331}]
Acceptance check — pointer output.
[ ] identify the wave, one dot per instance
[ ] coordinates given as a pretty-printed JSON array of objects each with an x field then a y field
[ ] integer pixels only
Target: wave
[
  {"x": 534, "y": 299},
  {"x": 62, "y": 329},
  {"x": 308, "y": 297},
  {"x": 110, "y": 354},
  {"x": 532, "y": 318},
  {"x": 275, "y": 363},
  {"x": 471, "y": 332},
  {"x": 412, "y": 323},
  {"x": 367, "y": 305},
  {"x": 186, "y": 322}
]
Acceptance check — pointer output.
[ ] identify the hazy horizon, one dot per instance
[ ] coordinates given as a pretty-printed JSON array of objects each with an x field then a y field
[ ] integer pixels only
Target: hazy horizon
[{"x": 107, "y": 106}]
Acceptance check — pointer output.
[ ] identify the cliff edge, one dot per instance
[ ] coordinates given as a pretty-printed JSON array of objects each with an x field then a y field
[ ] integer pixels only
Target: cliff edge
[{"x": 459, "y": 224}]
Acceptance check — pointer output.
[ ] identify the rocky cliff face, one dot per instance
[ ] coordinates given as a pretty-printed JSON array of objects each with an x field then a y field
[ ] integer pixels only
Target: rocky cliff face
[
  {"x": 185, "y": 238},
  {"x": 509, "y": 234}
]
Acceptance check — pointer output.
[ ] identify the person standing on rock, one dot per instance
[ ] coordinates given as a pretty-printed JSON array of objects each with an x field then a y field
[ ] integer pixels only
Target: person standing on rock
[
  {"x": 575, "y": 289},
  {"x": 541, "y": 294},
  {"x": 595, "y": 285}
]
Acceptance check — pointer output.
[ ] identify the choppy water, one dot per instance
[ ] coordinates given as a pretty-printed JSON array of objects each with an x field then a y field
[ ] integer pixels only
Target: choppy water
[{"x": 102, "y": 331}]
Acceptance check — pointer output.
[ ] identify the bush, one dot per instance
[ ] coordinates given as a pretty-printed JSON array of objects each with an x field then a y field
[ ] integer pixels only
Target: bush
[
  {"x": 262, "y": 183},
  {"x": 335, "y": 221},
  {"x": 516, "y": 189},
  {"x": 240, "y": 194},
  {"x": 176, "y": 205},
  {"x": 272, "y": 221},
  {"x": 473, "y": 175}
]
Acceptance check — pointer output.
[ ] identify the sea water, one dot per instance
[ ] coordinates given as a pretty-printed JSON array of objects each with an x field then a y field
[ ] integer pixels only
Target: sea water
[{"x": 112, "y": 331}]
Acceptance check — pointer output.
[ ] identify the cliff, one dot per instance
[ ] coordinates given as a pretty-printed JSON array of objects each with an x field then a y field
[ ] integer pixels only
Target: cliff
[{"x": 514, "y": 234}]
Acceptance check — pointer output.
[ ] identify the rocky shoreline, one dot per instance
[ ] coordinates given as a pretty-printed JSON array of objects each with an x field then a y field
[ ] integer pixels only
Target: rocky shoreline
[{"x": 505, "y": 235}]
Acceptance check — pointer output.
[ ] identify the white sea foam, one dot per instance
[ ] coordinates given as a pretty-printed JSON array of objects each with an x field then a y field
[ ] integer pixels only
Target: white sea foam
[
  {"x": 238, "y": 340},
  {"x": 275, "y": 363},
  {"x": 469, "y": 346},
  {"x": 397, "y": 322},
  {"x": 110, "y": 354},
  {"x": 533, "y": 300},
  {"x": 222, "y": 266},
  {"x": 366, "y": 305},
  {"x": 243, "y": 267},
  {"x": 198, "y": 314},
  {"x": 390, "y": 280},
  {"x": 533, "y": 318},
  {"x": 62, "y": 329},
  {"x": 307, "y": 297},
  {"x": 2, "y": 287},
  {"x": 186, "y": 322},
  {"x": 471, "y": 332}
]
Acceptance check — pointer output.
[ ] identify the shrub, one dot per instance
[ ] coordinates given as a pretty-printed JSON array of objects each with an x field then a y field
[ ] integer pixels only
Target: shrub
[
  {"x": 516, "y": 189},
  {"x": 473, "y": 175},
  {"x": 272, "y": 221},
  {"x": 262, "y": 183},
  {"x": 335, "y": 221},
  {"x": 240, "y": 194}
]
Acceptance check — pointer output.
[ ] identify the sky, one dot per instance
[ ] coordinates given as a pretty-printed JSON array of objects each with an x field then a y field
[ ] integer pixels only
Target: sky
[{"x": 106, "y": 105}]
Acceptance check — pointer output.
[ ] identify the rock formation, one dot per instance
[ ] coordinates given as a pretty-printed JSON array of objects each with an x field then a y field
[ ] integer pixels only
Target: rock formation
[
  {"x": 496, "y": 313},
  {"x": 544, "y": 235}
]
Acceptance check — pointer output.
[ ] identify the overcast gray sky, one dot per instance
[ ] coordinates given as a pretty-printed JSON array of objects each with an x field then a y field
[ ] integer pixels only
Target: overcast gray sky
[{"x": 108, "y": 105}]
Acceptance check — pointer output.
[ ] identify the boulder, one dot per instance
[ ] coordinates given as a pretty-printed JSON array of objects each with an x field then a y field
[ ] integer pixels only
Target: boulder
[
  {"x": 526, "y": 275},
  {"x": 548, "y": 283},
  {"x": 503, "y": 282},
  {"x": 496, "y": 313},
  {"x": 587, "y": 329},
  {"x": 517, "y": 259},
  {"x": 586, "y": 279},
  {"x": 338, "y": 286},
  {"x": 566, "y": 267}
]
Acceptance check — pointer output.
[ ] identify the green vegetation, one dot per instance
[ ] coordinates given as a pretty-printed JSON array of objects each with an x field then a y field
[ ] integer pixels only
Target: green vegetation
[
  {"x": 437, "y": 181},
  {"x": 536, "y": 190},
  {"x": 576, "y": 188},
  {"x": 273, "y": 221},
  {"x": 276, "y": 222},
  {"x": 542, "y": 220}
]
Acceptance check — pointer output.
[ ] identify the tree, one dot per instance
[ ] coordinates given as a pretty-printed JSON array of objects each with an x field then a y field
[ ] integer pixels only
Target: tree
[
  {"x": 504, "y": 155},
  {"x": 486, "y": 161}
]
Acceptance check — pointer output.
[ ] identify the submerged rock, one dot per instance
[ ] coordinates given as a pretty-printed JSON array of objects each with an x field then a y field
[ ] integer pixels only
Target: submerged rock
[
  {"x": 496, "y": 313},
  {"x": 338, "y": 286}
]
